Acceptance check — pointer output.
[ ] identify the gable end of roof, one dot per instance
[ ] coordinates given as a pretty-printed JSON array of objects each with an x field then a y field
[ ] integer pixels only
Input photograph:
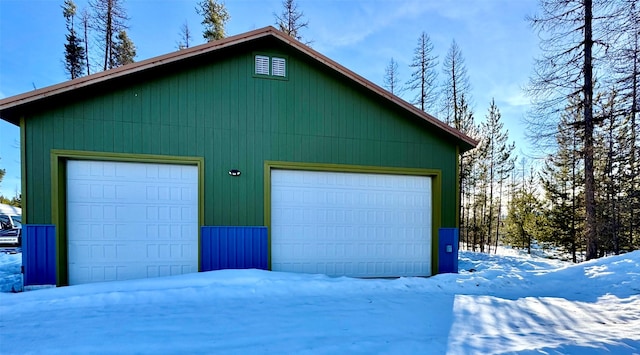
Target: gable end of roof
[{"x": 10, "y": 107}]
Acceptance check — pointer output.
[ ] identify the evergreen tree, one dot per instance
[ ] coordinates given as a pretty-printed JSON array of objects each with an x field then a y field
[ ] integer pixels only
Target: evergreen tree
[
  {"x": 625, "y": 78},
  {"x": 123, "y": 51},
  {"x": 624, "y": 55},
  {"x": 499, "y": 162},
  {"x": 525, "y": 221},
  {"x": 290, "y": 21},
  {"x": 478, "y": 182},
  {"x": 74, "y": 53},
  {"x": 563, "y": 183},
  {"x": 69, "y": 9},
  {"x": 391, "y": 79},
  {"x": 613, "y": 166},
  {"x": 424, "y": 76},
  {"x": 214, "y": 19},
  {"x": 469, "y": 176},
  {"x": 564, "y": 70}
]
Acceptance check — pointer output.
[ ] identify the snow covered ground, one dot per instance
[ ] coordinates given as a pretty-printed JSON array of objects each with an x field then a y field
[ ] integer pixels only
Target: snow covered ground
[
  {"x": 510, "y": 304},
  {"x": 10, "y": 277}
]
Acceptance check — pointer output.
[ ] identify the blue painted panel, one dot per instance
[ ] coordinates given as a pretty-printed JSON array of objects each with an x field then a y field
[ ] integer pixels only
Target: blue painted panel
[
  {"x": 39, "y": 254},
  {"x": 447, "y": 250},
  {"x": 233, "y": 248}
]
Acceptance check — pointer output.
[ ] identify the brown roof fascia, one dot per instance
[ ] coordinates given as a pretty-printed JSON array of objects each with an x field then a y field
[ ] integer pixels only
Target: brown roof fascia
[
  {"x": 85, "y": 81},
  {"x": 31, "y": 96}
]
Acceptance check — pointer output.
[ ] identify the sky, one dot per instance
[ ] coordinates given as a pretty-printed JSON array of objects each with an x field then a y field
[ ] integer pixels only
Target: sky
[
  {"x": 512, "y": 303},
  {"x": 497, "y": 43}
]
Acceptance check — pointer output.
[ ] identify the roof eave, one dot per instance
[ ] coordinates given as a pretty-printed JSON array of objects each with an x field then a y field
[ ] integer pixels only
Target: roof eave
[{"x": 39, "y": 94}]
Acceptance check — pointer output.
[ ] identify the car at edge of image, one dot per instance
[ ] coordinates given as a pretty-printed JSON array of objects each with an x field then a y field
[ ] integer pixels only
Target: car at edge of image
[{"x": 10, "y": 231}]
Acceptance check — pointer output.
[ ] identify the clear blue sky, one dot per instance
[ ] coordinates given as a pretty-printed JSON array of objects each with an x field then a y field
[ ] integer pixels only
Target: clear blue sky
[{"x": 496, "y": 41}]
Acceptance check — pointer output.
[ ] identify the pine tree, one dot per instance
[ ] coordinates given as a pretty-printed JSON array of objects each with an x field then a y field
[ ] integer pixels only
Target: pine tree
[
  {"x": 478, "y": 180},
  {"x": 525, "y": 221},
  {"x": 290, "y": 21},
  {"x": 563, "y": 183},
  {"x": 499, "y": 161},
  {"x": 74, "y": 53},
  {"x": 423, "y": 78},
  {"x": 566, "y": 69},
  {"x": 214, "y": 19},
  {"x": 467, "y": 174},
  {"x": 123, "y": 51},
  {"x": 391, "y": 78},
  {"x": 625, "y": 77},
  {"x": 522, "y": 220},
  {"x": 613, "y": 166},
  {"x": 69, "y": 12},
  {"x": 624, "y": 55}
]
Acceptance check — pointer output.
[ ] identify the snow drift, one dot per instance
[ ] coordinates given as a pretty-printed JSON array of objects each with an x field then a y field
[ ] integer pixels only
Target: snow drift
[{"x": 509, "y": 304}]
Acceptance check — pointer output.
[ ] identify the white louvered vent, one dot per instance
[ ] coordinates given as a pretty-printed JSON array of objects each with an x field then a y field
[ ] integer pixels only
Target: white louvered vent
[
  {"x": 262, "y": 65},
  {"x": 278, "y": 67}
]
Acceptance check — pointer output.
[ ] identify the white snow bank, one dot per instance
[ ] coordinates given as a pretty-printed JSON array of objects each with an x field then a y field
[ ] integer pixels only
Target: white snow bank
[
  {"x": 509, "y": 304},
  {"x": 522, "y": 276}
]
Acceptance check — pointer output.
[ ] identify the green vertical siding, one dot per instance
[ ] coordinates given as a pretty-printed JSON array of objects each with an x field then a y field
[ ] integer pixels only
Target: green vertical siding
[{"x": 220, "y": 112}]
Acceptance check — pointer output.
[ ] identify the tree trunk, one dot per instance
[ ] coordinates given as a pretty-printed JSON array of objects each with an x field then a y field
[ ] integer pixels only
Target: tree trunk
[
  {"x": 635, "y": 101},
  {"x": 475, "y": 221},
  {"x": 467, "y": 222},
  {"x": 461, "y": 191},
  {"x": 573, "y": 200},
  {"x": 498, "y": 215},
  {"x": 489, "y": 222},
  {"x": 589, "y": 181},
  {"x": 108, "y": 41},
  {"x": 483, "y": 216},
  {"x": 85, "y": 25}
]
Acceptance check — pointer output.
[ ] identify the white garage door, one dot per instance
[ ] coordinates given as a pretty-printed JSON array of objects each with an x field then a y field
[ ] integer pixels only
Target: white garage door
[
  {"x": 362, "y": 225},
  {"x": 131, "y": 220}
]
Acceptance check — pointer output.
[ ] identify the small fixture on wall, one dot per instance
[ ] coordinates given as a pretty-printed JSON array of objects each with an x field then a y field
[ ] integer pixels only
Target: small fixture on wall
[{"x": 234, "y": 172}]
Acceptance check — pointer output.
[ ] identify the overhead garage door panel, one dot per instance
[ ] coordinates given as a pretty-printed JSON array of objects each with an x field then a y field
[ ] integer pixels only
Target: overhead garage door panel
[
  {"x": 131, "y": 220},
  {"x": 365, "y": 225}
]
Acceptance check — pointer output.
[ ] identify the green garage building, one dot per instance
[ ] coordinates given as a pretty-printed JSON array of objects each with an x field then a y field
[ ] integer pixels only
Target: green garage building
[{"x": 131, "y": 164}]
